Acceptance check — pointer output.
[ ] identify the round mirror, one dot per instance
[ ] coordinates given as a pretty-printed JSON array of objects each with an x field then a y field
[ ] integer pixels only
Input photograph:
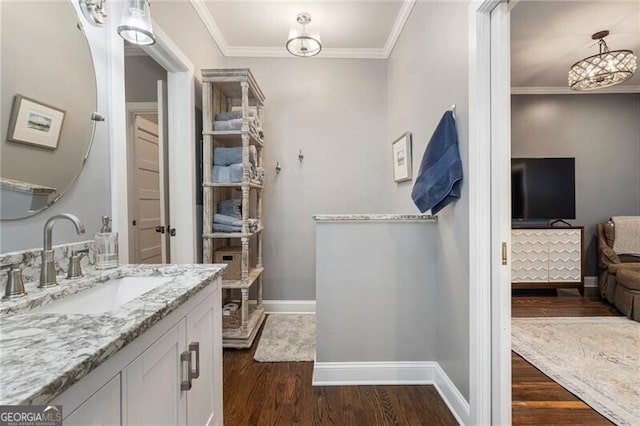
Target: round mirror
[{"x": 48, "y": 95}]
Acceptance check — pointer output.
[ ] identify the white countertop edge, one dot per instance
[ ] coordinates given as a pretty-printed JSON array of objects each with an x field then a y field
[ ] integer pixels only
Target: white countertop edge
[{"x": 374, "y": 218}]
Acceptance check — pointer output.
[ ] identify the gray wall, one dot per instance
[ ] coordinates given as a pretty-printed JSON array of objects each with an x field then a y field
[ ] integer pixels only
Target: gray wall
[
  {"x": 378, "y": 305},
  {"x": 426, "y": 76},
  {"x": 179, "y": 20},
  {"x": 141, "y": 74},
  {"x": 89, "y": 198},
  {"x": 602, "y": 132},
  {"x": 335, "y": 111}
]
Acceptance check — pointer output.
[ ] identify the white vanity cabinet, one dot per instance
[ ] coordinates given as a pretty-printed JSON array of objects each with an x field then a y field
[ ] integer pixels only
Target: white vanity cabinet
[
  {"x": 151, "y": 383},
  {"x": 157, "y": 387},
  {"x": 170, "y": 375},
  {"x": 204, "y": 400},
  {"x": 102, "y": 408}
]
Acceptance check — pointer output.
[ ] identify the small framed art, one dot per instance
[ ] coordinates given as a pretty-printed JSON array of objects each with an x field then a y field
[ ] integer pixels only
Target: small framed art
[
  {"x": 402, "y": 166},
  {"x": 35, "y": 123}
]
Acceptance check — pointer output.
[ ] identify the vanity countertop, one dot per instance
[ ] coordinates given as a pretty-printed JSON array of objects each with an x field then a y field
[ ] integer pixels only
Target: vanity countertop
[{"x": 43, "y": 354}]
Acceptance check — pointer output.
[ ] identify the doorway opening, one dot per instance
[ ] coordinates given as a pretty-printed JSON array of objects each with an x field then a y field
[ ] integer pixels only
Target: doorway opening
[{"x": 149, "y": 221}]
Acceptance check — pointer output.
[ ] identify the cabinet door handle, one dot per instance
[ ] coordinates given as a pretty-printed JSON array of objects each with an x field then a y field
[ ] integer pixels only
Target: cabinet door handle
[
  {"x": 185, "y": 385},
  {"x": 195, "y": 347}
]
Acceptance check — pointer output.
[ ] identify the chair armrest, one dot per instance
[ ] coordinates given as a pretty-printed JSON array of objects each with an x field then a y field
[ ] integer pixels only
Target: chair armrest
[{"x": 606, "y": 255}]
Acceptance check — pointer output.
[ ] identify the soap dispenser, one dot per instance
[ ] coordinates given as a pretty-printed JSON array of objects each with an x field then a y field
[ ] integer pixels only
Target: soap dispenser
[{"x": 106, "y": 246}]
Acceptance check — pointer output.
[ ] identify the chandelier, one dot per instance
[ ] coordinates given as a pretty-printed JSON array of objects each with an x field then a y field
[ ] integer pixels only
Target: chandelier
[
  {"x": 303, "y": 43},
  {"x": 607, "y": 68}
]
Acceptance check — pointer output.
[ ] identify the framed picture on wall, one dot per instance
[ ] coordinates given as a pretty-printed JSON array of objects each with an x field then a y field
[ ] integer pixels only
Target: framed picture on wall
[
  {"x": 35, "y": 123},
  {"x": 402, "y": 165}
]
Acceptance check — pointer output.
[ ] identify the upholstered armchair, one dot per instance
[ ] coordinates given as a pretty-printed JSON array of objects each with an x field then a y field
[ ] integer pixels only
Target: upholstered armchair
[{"x": 609, "y": 263}]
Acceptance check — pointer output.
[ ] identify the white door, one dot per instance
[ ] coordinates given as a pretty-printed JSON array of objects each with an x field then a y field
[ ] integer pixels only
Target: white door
[
  {"x": 151, "y": 388},
  {"x": 148, "y": 202},
  {"x": 500, "y": 214},
  {"x": 204, "y": 335}
]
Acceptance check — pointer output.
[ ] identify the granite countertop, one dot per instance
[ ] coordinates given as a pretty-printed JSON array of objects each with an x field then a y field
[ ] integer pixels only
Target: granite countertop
[
  {"x": 43, "y": 354},
  {"x": 374, "y": 218},
  {"x": 26, "y": 186}
]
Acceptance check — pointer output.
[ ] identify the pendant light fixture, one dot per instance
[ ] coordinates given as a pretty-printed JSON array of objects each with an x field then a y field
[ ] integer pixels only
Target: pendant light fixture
[
  {"x": 302, "y": 43},
  {"x": 607, "y": 68},
  {"x": 135, "y": 25}
]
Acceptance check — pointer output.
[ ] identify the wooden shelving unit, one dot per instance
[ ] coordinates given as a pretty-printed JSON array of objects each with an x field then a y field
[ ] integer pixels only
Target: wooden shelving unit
[{"x": 223, "y": 89}]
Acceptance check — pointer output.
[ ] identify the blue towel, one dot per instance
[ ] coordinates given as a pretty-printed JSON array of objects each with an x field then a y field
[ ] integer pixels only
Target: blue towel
[
  {"x": 228, "y": 125},
  {"x": 233, "y": 155},
  {"x": 226, "y": 116},
  {"x": 440, "y": 177},
  {"x": 227, "y": 174},
  {"x": 231, "y": 208},
  {"x": 220, "y": 227}
]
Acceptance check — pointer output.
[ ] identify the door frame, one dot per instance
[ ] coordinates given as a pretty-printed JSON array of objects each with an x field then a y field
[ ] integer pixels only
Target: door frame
[
  {"x": 489, "y": 220},
  {"x": 181, "y": 140}
]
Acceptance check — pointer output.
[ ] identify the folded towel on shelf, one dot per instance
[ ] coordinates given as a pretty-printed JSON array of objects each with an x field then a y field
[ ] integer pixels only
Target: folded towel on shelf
[
  {"x": 231, "y": 208},
  {"x": 253, "y": 111},
  {"x": 220, "y": 227},
  {"x": 227, "y": 174},
  {"x": 227, "y": 156},
  {"x": 233, "y": 155},
  {"x": 440, "y": 176},
  {"x": 223, "y": 223},
  {"x": 233, "y": 221},
  {"x": 231, "y": 115},
  {"x": 228, "y": 125}
]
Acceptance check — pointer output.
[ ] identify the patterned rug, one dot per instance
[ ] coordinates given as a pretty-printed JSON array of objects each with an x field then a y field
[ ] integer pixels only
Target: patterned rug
[
  {"x": 595, "y": 358},
  {"x": 287, "y": 338}
]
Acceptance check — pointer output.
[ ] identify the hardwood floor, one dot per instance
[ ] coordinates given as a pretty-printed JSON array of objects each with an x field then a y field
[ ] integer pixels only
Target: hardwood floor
[
  {"x": 538, "y": 400},
  {"x": 257, "y": 393},
  {"x": 281, "y": 393}
]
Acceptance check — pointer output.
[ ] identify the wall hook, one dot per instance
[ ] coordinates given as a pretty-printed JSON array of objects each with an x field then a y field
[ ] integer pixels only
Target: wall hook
[
  {"x": 301, "y": 156},
  {"x": 278, "y": 167}
]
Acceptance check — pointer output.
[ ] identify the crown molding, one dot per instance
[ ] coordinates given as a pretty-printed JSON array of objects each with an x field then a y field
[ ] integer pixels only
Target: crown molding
[
  {"x": 398, "y": 26},
  {"x": 280, "y": 52},
  {"x": 203, "y": 11},
  {"x": 567, "y": 91},
  {"x": 328, "y": 53}
]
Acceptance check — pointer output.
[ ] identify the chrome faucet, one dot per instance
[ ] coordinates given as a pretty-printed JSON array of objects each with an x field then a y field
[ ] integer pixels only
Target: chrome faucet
[{"x": 48, "y": 267}]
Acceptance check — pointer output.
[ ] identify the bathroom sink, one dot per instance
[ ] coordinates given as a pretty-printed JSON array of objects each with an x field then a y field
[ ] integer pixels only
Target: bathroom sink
[{"x": 103, "y": 297}]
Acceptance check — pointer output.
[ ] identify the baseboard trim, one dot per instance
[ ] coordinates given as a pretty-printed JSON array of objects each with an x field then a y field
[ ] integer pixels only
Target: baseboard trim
[
  {"x": 393, "y": 373},
  {"x": 289, "y": 306},
  {"x": 590, "y": 281}
]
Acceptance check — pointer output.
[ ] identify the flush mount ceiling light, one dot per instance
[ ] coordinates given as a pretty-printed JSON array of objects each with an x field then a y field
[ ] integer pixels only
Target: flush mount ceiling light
[
  {"x": 303, "y": 43},
  {"x": 607, "y": 68},
  {"x": 135, "y": 25}
]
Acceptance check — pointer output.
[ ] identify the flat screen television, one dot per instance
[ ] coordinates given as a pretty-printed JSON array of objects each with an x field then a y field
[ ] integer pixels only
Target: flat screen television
[{"x": 543, "y": 188}]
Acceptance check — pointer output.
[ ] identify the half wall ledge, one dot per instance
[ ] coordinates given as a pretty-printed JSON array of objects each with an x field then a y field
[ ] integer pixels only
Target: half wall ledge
[{"x": 409, "y": 218}]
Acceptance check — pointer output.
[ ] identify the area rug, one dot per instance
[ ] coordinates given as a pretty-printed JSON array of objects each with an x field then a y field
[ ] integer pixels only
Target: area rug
[
  {"x": 595, "y": 358},
  {"x": 287, "y": 338}
]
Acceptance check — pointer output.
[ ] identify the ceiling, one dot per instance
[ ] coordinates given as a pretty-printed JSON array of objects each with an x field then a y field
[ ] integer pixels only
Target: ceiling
[
  {"x": 547, "y": 37},
  {"x": 348, "y": 29}
]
